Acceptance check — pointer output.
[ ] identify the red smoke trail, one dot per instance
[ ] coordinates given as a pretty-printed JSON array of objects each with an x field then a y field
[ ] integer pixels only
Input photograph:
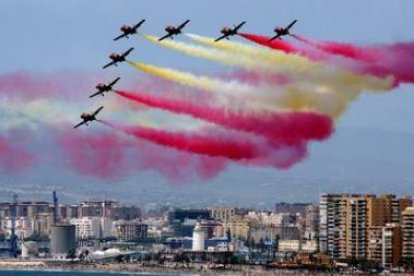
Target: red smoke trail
[
  {"x": 379, "y": 60},
  {"x": 289, "y": 127},
  {"x": 108, "y": 156},
  {"x": 12, "y": 158},
  {"x": 100, "y": 155},
  {"x": 213, "y": 145},
  {"x": 277, "y": 44},
  {"x": 343, "y": 49}
]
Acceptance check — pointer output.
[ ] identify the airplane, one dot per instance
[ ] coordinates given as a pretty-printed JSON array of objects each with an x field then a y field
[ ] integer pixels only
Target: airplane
[
  {"x": 280, "y": 31},
  {"x": 118, "y": 58},
  {"x": 129, "y": 30},
  {"x": 102, "y": 88},
  {"x": 173, "y": 30},
  {"x": 87, "y": 117},
  {"x": 226, "y": 31}
]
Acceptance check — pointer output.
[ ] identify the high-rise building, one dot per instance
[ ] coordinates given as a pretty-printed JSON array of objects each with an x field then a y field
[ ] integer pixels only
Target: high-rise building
[
  {"x": 345, "y": 221},
  {"x": 408, "y": 233},
  {"x": 331, "y": 217},
  {"x": 384, "y": 244}
]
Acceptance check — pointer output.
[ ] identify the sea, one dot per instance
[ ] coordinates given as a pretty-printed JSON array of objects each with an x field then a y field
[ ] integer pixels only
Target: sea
[{"x": 70, "y": 273}]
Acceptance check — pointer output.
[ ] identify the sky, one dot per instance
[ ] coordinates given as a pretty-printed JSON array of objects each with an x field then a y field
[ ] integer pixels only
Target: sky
[{"x": 49, "y": 37}]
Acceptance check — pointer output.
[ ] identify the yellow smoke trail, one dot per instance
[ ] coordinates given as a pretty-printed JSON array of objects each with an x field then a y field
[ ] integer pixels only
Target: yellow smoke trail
[
  {"x": 300, "y": 66},
  {"x": 261, "y": 98},
  {"x": 216, "y": 55}
]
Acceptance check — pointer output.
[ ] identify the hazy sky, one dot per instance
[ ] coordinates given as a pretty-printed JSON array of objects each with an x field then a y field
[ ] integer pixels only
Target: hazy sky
[{"x": 48, "y": 36}]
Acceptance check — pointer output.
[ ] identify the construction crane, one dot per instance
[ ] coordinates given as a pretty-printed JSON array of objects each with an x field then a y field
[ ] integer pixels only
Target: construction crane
[{"x": 13, "y": 237}]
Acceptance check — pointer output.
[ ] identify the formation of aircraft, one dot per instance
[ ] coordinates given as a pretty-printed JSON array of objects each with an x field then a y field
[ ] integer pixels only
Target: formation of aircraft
[
  {"x": 129, "y": 30},
  {"x": 88, "y": 117},
  {"x": 280, "y": 31},
  {"x": 174, "y": 30},
  {"x": 171, "y": 32},
  {"x": 226, "y": 31},
  {"x": 103, "y": 87},
  {"x": 118, "y": 58}
]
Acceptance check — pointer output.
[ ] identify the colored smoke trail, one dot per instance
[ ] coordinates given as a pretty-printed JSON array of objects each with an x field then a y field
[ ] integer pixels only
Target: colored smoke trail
[
  {"x": 216, "y": 55},
  {"x": 199, "y": 82},
  {"x": 192, "y": 142},
  {"x": 13, "y": 158},
  {"x": 100, "y": 155},
  {"x": 300, "y": 68},
  {"x": 288, "y": 127},
  {"x": 342, "y": 49},
  {"x": 276, "y": 44},
  {"x": 326, "y": 100},
  {"x": 379, "y": 60},
  {"x": 108, "y": 156},
  {"x": 237, "y": 148}
]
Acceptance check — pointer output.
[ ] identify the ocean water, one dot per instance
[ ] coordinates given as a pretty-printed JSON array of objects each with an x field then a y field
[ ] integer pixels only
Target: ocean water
[{"x": 70, "y": 273}]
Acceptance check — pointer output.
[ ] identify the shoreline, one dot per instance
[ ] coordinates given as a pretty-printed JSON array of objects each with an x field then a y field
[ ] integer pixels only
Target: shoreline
[{"x": 139, "y": 269}]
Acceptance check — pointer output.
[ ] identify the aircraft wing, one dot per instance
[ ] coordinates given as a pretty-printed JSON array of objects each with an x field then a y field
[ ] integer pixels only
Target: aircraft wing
[
  {"x": 78, "y": 125},
  {"x": 165, "y": 36},
  {"x": 275, "y": 37},
  {"x": 114, "y": 81},
  {"x": 109, "y": 64},
  {"x": 128, "y": 51},
  {"x": 96, "y": 94},
  {"x": 97, "y": 111},
  {"x": 291, "y": 24},
  {"x": 183, "y": 25},
  {"x": 136, "y": 26},
  {"x": 220, "y": 38},
  {"x": 239, "y": 26},
  {"x": 121, "y": 36}
]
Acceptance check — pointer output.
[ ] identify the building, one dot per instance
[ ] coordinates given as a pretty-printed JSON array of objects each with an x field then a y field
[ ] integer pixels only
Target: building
[
  {"x": 375, "y": 243},
  {"x": 198, "y": 237},
  {"x": 311, "y": 222},
  {"x": 92, "y": 227},
  {"x": 131, "y": 230},
  {"x": 180, "y": 215},
  {"x": 330, "y": 224},
  {"x": 347, "y": 223},
  {"x": 408, "y": 233},
  {"x": 223, "y": 213},
  {"x": 391, "y": 245},
  {"x": 384, "y": 244},
  {"x": 24, "y": 227},
  {"x": 293, "y": 208},
  {"x": 238, "y": 228},
  {"x": 355, "y": 227}
]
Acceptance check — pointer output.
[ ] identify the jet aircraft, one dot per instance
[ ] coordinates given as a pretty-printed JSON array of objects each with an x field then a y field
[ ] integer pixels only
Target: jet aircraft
[
  {"x": 129, "y": 30},
  {"x": 103, "y": 87},
  {"x": 226, "y": 31},
  {"x": 280, "y": 31},
  {"x": 117, "y": 58},
  {"x": 88, "y": 117},
  {"x": 174, "y": 30}
]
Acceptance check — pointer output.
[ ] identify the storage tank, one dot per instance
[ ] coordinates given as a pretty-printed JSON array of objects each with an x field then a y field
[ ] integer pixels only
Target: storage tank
[
  {"x": 29, "y": 249},
  {"x": 198, "y": 237},
  {"x": 62, "y": 240}
]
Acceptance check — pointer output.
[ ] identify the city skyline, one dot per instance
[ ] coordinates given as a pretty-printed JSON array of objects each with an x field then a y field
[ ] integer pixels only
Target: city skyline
[{"x": 369, "y": 151}]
